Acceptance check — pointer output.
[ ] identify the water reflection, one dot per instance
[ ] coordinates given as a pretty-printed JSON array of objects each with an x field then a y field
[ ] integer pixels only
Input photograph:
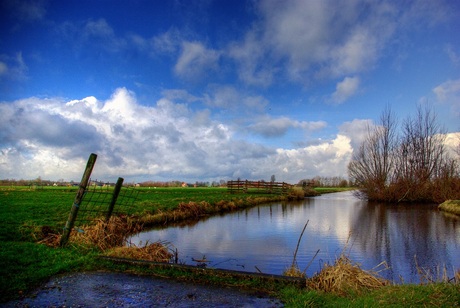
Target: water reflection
[
  {"x": 405, "y": 234},
  {"x": 264, "y": 238}
]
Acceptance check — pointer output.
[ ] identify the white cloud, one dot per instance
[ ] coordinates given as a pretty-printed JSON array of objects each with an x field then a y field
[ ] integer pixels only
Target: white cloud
[
  {"x": 312, "y": 39},
  {"x": 330, "y": 158},
  {"x": 345, "y": 89},
  {"x": 194, "y": 60},
  {"x": 13, "y": 67},
  {"x": 452, "y": 54},
  {"x": 52, "y": 138},
  {"x": 250, "y": 57},
  {"x": 452, "y": 143},
  {"x": 449, "y": 93},
  {"x": 3, "y": 68},
  {"x": 229, "y": 98},
  {"x": 27, "y": 10},
  {"x": 276, "y": 127},
  {"x": 167, "y": 42},
  {"x": 308, "y": 40},
  {"x": 356, "y": 131},
  {"x": 98, "y": 28}
]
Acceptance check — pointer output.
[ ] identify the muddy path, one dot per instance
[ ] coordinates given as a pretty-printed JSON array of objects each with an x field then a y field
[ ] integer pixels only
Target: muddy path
[{"x": 102, "y": 289}]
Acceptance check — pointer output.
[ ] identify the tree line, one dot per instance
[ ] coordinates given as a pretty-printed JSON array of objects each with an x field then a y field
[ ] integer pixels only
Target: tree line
[
  {"x": 325, "y": 181},
  {"x": 407, "y": 162}
]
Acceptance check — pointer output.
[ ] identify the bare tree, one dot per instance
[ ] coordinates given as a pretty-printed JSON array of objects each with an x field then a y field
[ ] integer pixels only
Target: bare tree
[
  {"x": 421, "y": 156},
  {"x": 372, "y": 165},
  {"x": 415, "y": 167}
]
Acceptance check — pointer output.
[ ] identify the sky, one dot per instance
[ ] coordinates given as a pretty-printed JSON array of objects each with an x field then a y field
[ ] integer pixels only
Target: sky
[{"x": 215, "y": 89}]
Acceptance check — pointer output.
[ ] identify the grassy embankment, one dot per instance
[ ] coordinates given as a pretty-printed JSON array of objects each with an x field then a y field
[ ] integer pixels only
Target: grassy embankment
[{"x": 26, "y": 263}]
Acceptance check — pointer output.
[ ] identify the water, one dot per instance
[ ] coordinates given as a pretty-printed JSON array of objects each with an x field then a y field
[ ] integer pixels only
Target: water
[{"x": 264, "y": 238}]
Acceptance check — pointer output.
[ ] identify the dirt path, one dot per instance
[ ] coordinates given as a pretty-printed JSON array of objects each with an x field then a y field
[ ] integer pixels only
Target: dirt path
[{"x": 101, "y": 289}]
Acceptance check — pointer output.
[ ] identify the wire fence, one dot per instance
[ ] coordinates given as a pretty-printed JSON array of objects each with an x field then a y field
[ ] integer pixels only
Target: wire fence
[{"x": 97, "y": 199}]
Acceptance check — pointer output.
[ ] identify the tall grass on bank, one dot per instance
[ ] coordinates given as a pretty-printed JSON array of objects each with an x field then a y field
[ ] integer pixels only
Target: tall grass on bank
[{"x": 450, "y": 206}]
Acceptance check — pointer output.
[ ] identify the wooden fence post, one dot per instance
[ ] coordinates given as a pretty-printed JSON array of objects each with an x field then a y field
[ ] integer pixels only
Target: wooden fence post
[
  {"x": 116, "y": 192},
  {"x": 78, "y": 198}
]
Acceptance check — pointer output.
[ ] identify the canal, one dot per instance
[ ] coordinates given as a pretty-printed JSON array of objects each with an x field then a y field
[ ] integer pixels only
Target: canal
[{"x": 407, "y": 238}]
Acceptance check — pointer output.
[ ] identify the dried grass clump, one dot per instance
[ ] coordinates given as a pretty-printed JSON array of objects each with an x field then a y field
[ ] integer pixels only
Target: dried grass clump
[
  {"x": 51, "y": 240},
  {"x": 157, "y": 252},
  {"x": 106, "y": 235},
  {"x": 295, "y": 193},
  {"x": 344, "y": 277},
  {"x": 294, "y": 271},
  {"x": 225, "y": 205},
  {"x": 437, "y": 274},
  {"x": 450, "y": 206},
  {"x": 191, "y": 210}
]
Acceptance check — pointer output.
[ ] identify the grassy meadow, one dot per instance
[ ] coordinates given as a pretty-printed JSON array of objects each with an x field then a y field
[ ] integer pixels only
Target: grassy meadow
[{"x": 29, "y": 215}]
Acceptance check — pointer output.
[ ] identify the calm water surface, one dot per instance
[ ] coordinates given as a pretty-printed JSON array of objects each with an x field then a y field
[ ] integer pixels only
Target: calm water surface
[{"x": 265, "y": 237}]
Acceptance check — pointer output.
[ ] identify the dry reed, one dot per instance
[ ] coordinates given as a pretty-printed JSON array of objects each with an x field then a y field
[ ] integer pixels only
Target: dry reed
[
  {"x": 450, "y": 206},
  {"x": 344, "y": 277},
  {"x": 157, "y": 252},
  {"x": 105, "y": 235},
  {"x": 438, "y": 274},
  {"x": 294, "y": 270}
]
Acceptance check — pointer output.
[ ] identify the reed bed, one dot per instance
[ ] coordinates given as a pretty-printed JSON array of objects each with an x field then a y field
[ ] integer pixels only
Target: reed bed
[{"x": 345, "y": 277}]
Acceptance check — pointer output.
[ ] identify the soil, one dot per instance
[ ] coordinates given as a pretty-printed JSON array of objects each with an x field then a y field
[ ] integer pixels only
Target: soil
[{"x": 102, "y": 289}]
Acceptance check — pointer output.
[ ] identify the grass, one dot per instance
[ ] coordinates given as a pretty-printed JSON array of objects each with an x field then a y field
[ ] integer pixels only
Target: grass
[
  {"x": 326, "y": 190},
  {"x": 29, "y": 216},
  {"x": 451, "y": 206},
  {"x": 432, "y": 295}
]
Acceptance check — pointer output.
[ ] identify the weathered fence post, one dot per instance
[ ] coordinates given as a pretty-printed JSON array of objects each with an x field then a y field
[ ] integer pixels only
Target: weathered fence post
[
  {"x": 78, "y": 198},
  {"x": 116, "y": 192}
]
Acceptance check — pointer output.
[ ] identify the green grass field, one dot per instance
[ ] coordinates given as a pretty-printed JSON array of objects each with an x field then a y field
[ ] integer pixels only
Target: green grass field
[{"x": 24, "y": 263}]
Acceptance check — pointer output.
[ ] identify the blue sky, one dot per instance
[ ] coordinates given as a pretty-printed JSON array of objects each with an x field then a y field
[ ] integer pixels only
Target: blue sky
[{"x": 209, "y": 90}]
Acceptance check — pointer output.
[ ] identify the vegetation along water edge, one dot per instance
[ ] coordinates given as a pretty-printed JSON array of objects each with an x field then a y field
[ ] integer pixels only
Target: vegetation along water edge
[
  {"x": 451, "y": 206},
  {"x": 31, "y": 220}
]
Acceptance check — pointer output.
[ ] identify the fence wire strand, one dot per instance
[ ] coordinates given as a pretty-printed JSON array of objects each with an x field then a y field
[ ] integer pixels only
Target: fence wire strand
[{"x": 96, "y": 201}]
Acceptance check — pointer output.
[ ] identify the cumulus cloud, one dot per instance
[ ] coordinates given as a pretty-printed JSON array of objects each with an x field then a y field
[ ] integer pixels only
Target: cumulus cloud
[
  {"x": 330, "y": 158},
  {"x": 52, "y": 138},
  {"x": 356, "y": 131},
  {"x": 345, "y": 89}
]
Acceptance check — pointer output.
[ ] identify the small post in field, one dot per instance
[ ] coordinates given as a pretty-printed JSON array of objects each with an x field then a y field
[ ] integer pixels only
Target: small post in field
[
  {"x": 116, "y": 192},
  {"x": 78, "y": 198}
]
